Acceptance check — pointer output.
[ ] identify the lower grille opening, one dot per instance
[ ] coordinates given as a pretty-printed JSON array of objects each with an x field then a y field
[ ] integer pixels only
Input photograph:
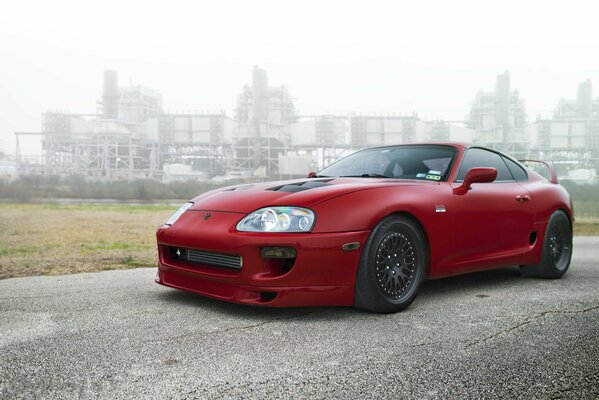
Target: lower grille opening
[
  {"x": 202, "y": 257},
  {"x": 280, "y": 258},
  {"x": 287, "y": 265},
  {"x": 533, "y": 237},
  {"x": 267, "y": 296}
]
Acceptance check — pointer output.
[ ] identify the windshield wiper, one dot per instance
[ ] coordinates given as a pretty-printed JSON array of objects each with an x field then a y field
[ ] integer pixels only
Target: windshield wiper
[{"x": 366, "y": 176}]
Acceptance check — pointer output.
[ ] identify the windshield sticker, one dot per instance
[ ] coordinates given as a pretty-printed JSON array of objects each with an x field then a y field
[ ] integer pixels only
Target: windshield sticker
[
  {"x": 421, "y": 175},
  {"x": 433, "y": 172},
  {"x": 434, "y": 177}
]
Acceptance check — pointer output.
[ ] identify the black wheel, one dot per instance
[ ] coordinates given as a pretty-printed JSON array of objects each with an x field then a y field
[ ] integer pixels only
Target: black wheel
[
  {"x": 557, "y": 249},
  {"x": 392, "y": 266}
]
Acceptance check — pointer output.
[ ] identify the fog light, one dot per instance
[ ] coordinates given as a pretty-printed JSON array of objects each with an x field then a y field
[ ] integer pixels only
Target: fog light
[{"x": 277, "y": 252}]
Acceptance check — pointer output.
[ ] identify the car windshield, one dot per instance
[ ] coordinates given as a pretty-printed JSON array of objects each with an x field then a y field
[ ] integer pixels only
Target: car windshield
[{"x": 426, "y": 162}]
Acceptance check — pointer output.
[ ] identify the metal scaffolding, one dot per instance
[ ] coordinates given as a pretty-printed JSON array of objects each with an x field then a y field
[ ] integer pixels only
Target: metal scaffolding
[
  {"x": 95, "y": 148},
  {"x": 499, "y": 117},
  {"x": 262, "y": 132},
  {"x": 131, "y": 137},
  {"x": 196, "y": 139}
]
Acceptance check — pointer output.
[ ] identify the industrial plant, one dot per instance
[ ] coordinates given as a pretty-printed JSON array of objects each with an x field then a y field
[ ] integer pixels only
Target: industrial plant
[{"x": 130, "y": 136}]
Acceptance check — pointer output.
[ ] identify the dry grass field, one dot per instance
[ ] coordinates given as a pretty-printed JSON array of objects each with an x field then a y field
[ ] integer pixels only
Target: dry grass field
[
  {"x": 38, "y": 239},
  {"x": 586, "y": 226},
  {"x": 45, "y": 239}
]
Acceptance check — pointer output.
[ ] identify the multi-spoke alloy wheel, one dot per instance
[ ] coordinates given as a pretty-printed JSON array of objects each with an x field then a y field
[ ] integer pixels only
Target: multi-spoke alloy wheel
[
  {"x": 392, "y": 265},
  {"x": 557, "y": 249},
  {"x": 395, "y": 264}
]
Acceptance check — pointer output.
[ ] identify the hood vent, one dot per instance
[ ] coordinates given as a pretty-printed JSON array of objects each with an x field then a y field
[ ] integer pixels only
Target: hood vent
[
  {"x": 242, "y": 187},
  {"x": 300, "y": 186}
]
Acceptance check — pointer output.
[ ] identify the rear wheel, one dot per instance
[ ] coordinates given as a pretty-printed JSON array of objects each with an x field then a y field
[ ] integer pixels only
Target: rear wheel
[
  {"x": 392, "y": 266},
  {"x": 557, "y": 249}
]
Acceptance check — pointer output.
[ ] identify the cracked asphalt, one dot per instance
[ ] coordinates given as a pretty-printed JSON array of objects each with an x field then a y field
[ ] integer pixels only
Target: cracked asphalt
[{"x": 118, "y": 335}]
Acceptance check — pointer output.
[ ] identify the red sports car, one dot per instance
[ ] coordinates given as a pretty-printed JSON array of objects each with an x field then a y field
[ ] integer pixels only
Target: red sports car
[{"x": 367, "y": 230}]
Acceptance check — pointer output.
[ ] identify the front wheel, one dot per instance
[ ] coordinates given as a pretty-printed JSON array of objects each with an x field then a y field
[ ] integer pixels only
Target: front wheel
[
  {"x": 557, "y": 249},
  {"x": 392, "y": 266}
]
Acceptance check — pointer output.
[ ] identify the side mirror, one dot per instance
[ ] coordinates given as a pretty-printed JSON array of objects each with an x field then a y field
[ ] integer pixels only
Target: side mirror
[
  {"x": 312, "y": 174},
  {"x": 478, "y": 175}
]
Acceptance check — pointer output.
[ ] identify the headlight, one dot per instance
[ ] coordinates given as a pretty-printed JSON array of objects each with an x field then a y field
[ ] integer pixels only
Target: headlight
[
  {"x": 278, "y": 219},
  {"x": 178, "y": 213}
]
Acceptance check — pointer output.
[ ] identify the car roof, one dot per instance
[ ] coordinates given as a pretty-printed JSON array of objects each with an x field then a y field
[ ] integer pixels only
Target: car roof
[{"x": 459, "y": 145}]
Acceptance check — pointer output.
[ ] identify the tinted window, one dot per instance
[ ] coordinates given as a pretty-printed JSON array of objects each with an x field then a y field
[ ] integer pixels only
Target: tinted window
[
  {"x": 517, "y": 171},
  {"x": 484, "y": 158}
]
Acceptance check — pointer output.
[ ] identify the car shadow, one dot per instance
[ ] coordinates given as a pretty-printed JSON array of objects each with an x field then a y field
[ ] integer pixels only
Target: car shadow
[
  {"x": 476, "y": 281},
  {"x": 479, "y": 283}
]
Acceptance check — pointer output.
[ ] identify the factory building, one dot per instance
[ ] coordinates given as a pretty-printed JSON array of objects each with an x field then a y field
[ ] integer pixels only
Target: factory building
[
  {"x": 191, "y": 145},
  {"x": 262, "y": 126},
  {"x": 94, "y": 146},
  {"x": 584, "y": 107},
  {"x": 499, "y": 117},
  {"x": 571, "y": 138},
  {"x": 321, "y": 139},
  {"x": 130, "y": 105},
  {"x": 131, "y": 136}
]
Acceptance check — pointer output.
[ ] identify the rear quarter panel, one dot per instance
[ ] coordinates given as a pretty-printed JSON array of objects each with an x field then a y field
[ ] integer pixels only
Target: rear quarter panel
[{"x": 548, "y": 198}]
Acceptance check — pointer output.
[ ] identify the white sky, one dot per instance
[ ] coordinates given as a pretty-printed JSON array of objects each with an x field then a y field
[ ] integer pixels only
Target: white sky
[{"x": 334, "y": 56}]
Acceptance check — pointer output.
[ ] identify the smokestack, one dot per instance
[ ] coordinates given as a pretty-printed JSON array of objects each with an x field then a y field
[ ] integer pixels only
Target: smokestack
[
  {"x": 584, "y": 99},
  {"x": 260, "y": 86},
  {"x": 110, "y": 95},
  {"x": 260, "y": 112},
  {"x": 502, "y": 105},
  {"x": 502, "y": 98}
]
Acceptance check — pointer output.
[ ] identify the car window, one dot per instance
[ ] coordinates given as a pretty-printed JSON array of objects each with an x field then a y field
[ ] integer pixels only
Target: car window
[
  {"x": 484, "y": 158},
  {"x": 438, "y": 164},
  {"x": 517, "y": 171},
  {"x": 369, "y": 163},
  {"x": 426, "y": 162}
]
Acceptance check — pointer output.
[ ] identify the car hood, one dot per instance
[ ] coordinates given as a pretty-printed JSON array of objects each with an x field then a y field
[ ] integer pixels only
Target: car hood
[{"x": 301, "y": 193}]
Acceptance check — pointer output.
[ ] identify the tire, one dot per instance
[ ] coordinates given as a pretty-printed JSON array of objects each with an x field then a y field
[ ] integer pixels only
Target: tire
[
  {"x": 392, "y": 266},
  {"x": 557, "y": 249}
]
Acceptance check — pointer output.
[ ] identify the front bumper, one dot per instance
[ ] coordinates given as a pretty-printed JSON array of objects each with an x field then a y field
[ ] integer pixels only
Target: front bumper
[{"x": 322, "y": 274}]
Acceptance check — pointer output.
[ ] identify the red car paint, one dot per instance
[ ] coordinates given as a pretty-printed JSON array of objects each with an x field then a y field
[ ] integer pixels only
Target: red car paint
[{"x": 488, "y": 226}]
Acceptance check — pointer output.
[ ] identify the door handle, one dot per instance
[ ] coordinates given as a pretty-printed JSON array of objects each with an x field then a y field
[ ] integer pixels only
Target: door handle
[{"x": 523, "y": 197}]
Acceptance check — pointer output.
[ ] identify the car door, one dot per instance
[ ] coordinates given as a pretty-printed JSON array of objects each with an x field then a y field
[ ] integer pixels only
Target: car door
[{"x": 493, "y": 220}]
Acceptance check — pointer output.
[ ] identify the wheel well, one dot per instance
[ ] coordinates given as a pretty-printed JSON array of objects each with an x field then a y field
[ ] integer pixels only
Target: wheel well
[{"x": 570, "y": 218}]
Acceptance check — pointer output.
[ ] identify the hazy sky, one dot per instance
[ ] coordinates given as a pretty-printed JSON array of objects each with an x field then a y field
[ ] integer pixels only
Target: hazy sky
[{"x": 334, "y": 56}]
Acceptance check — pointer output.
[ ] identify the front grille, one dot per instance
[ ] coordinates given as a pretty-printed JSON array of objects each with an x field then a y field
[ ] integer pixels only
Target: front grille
[{"x": 206, "y": 257}]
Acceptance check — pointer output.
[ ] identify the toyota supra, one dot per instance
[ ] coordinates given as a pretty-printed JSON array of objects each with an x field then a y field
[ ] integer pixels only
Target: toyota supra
[{"x": 367, "y": 230}]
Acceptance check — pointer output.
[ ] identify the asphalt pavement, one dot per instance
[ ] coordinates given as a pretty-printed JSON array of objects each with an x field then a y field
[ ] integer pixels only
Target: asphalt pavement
[{"x": 119, "y": 335}]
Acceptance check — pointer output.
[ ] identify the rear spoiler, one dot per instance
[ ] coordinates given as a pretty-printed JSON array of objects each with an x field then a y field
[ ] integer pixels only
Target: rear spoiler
[{"x": 550, "y": 169}]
